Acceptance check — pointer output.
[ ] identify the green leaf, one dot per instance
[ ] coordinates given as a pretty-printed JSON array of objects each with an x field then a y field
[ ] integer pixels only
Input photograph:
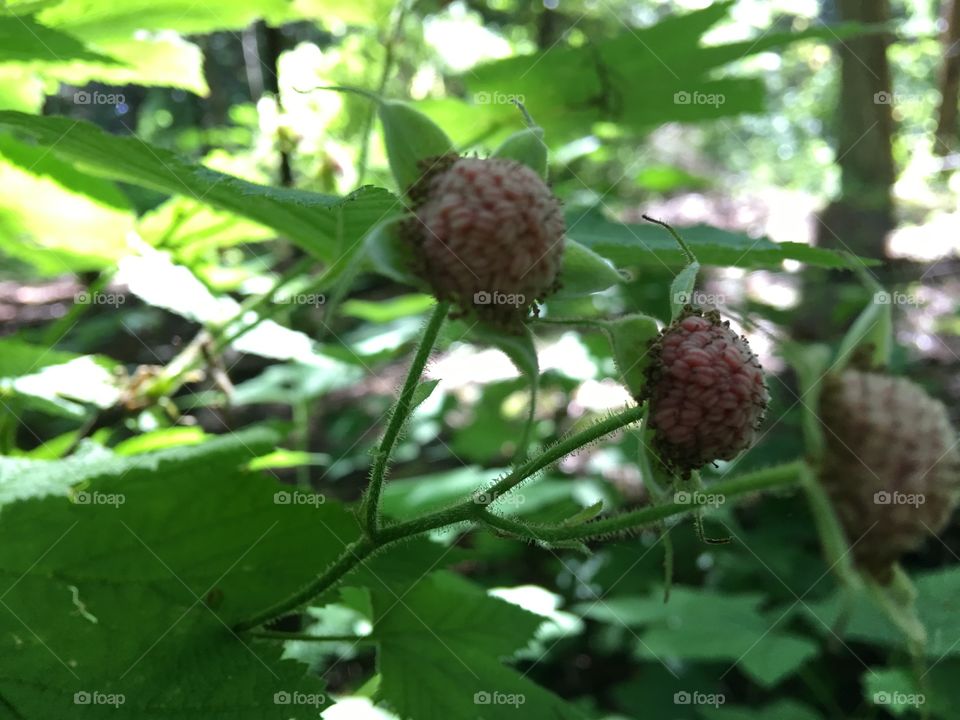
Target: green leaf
[
  {"x": 22, "y": 38},
  {"x": 322, "y": 225},
  {"x": 629, "y": 244},
  {"x": 780, "y": 710},
  {"x": 681, "y": 289},
  {"x": 386, "y": 253},
  {"x": 630, "y": 339},
  {"x": 441, "y": 653},
  {"x": 102, "y": 23},
  {"x": 705, "y": 625},
  {"x": 384, "y": 311},
  {"x": 584, "y": 272},
  {"x": 571, "y": 88},
  {"x": 409, "y": 136},
  {"x": 527, "y": 147},
  {"x": 160, "y": 439},
  {"x": 185, "y": 540},
  {"x": 422, "y": 392}
]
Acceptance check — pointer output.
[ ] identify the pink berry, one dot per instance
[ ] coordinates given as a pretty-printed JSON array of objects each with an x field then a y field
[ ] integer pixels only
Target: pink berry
[
  {"x": 706, "y": 391},
  {"x": 891, "y": 465},
  {"x": 488, "y": 236}
]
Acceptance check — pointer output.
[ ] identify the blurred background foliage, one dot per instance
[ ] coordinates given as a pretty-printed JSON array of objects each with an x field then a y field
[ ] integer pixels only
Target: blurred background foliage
[{"x": 184, "y": 200}]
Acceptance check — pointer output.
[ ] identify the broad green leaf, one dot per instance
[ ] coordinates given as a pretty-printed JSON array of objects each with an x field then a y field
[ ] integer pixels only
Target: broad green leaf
[
  {"x": 102, "y": 23},
  {"x": 864, "y": 621},
  {"x": 188, "y": 543},
  {"x": 441, "y": 650},
  {"x": 361, "y": 12},
  {"x": 584, "y": 272},
  {"x": 779, "y": 710},
  {"x": 569, "y": 89},
  {"x": 163, "y": 61},
  {"x": 20, "y": 88},
  {"x": 22, "y": 38},
  {"x": 706, "y": 625},
  {"x": 322, "y": 225},
  {"x": 190, "y": 229},
  {"x": 629, "y": 244},
  {"x": 18, "y": 357},
  {"x": 410, "y": 137},
  {"x": 84, "y": 234}
]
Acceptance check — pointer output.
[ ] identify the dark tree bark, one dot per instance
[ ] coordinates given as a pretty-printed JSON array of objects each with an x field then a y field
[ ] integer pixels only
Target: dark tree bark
[
  {"x": 861, "y": 217},
  {"x": 949, "y": 81}
]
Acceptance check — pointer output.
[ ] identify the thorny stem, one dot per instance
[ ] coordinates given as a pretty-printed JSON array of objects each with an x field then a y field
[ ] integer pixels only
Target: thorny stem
[
  {"x": 381, "y": 456},
  {"x": 778, "y": 476},
  {"x": 465, "y": 511}
]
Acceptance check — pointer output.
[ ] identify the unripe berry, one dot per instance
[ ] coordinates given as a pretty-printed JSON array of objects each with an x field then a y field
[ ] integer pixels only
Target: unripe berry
[
  {"x": 706, "y": 391},
  {"x": 891, "y": 465},
  {"x": 488, "y": 236}
]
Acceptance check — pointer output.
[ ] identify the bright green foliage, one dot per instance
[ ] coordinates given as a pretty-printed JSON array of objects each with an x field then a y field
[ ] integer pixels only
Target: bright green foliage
[
  {"x": 441, "y": 654},
  {"x": 323, "y": 225}
]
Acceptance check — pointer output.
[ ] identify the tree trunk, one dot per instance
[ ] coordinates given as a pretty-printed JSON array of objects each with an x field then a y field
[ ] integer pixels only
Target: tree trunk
[
  {"x": 949, "y": 81},
  {"x": 861, "y": 217}
]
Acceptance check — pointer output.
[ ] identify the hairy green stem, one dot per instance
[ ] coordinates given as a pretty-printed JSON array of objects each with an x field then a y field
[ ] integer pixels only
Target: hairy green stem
[
  {"x": 381, "y": 456},
  {"x": 691, "y": 258},
  {"x": 778, "y": 476},
  {"x": 352, "y": 555},
  {"x": 561, "y": 449},
  {"x": 467, "y": 510}
]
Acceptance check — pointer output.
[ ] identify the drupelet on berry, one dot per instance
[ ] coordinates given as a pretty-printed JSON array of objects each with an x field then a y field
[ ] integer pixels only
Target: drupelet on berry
[
  {"x": 891, "y": 465},
  {"x": 706, "y": 391},
  {"x": 488, "y": 236}
]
